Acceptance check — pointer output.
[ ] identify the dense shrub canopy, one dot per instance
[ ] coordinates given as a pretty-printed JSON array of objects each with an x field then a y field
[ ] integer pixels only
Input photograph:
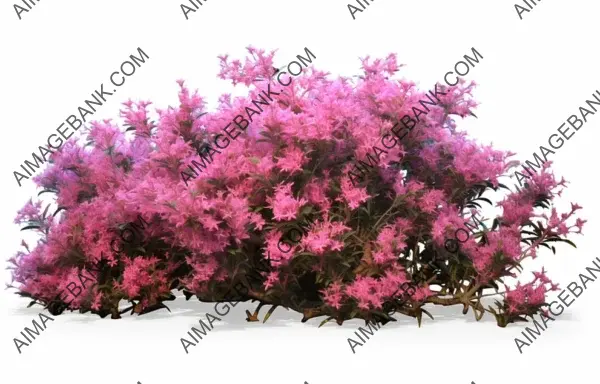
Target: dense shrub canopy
[{"x": 290, "y": 167}]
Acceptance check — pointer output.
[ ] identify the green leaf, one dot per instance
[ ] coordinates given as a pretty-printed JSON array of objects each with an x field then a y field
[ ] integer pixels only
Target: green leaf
[
  {"x": 324, "y": 321},
  {"x": 486, "y": 200},
  {"x": 269, "y": 313},
  {"x": 47, "y": 190},
  {"x": 495, "y": 224},
  {"x": 384, "y": 315},
  {"x": 46, "y": 211},
  {"x": 529, "y": 233},
  {"x": 427, "y": 313},
  {"x": 31, "y": 227},
  {"x": 561, "y": 240},
  {"x": 58, "y": 210}
]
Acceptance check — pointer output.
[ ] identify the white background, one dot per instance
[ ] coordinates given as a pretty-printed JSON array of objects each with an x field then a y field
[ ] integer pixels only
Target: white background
[{"x": 536, "y": 72}]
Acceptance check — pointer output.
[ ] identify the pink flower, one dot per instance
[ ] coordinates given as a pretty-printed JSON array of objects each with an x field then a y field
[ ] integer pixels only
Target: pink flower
[
  {"x": 333, "y": 295},
  {"x": 292, "y": 161},
  {"x": 272, "y": 278},
  {"x": 354, "y": 196},
  {"x": 324, "y": 236},
  {"x": 284, "y": 205}
]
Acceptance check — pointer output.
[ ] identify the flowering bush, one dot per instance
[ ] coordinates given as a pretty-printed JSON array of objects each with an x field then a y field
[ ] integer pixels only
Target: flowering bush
[{"x": 364, "y": 239}]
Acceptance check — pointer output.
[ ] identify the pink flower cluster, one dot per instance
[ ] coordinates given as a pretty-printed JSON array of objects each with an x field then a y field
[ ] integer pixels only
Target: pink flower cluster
[
  {"x": 523, "y": 298},
  {"x": 362, "y": 242}
]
